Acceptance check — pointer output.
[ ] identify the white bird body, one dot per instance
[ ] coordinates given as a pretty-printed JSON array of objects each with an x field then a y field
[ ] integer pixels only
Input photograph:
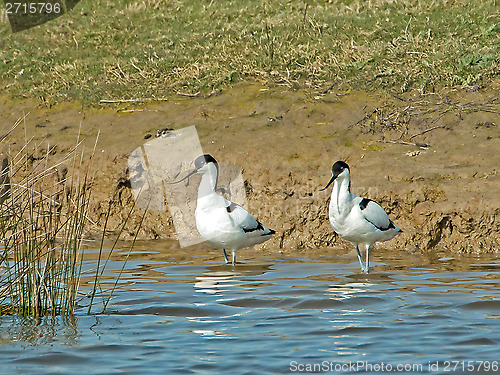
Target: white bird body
[
  {"x": 358, "y": 220},
  {"x": 226, "y": 230},
  {"x": 221, "y": 223}
]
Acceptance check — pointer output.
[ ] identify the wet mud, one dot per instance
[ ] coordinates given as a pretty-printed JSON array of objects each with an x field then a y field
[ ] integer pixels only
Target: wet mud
[{"x": 430, "y": 160}]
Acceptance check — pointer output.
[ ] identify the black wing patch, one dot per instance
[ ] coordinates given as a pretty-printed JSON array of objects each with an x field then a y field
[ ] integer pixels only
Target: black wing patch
[
  {"x": 258, "y": 227},
  {"x": 364, "y": 202},
  {"x": 231, "y": 207},
  {"x": 391, "y": 225}
]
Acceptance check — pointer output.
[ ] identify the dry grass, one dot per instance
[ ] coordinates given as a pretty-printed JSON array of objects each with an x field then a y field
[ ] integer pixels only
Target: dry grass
[{"x": 128, "y": 49}]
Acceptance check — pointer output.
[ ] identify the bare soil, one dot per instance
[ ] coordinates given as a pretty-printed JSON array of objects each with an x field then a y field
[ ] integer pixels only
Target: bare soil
[{"x": 431, "y": 160}]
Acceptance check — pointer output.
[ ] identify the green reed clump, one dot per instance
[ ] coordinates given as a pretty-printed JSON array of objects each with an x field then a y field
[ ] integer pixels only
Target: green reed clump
[
  {"x": 44, "y": 208},
  {"x": 43, "y": 215}
]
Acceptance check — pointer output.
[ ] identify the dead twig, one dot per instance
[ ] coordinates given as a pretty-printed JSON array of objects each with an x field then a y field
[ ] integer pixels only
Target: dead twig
[
  {"x": 328, "y": 89},
  {"x": 130, "y": 110},
  {"x": 366, "y": 117},
  {"x": 423, "y": 146},
  {"x": 138, "y": 100},
  {"x": 139, "y": 70},
  {"x": 197, "y": 95},
  {"x": 426, "y": 131}
]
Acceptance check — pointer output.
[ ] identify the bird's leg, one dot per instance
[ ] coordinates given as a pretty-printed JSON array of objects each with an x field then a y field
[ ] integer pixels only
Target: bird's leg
[
  {"x": 225, "y": 256},
  {"x": 234, "y": 257},
  {"x": 360, "y": 260},
  {"x": 367, "y": 263}
]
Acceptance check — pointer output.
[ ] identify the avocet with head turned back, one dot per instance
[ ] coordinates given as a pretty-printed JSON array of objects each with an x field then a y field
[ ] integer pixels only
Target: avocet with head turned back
[
  {"x": 360, "y": 221},
  {"x": 221, "y": 223}
]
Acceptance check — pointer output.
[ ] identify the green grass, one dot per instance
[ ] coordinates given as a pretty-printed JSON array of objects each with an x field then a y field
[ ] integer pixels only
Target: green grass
[{"x": 136, "y": 49}]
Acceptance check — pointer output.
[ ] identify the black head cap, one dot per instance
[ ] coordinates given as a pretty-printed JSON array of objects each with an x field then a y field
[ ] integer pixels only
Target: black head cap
[
  {"x": 204, "y": 159},
  {"x": 339, "y": 167}
]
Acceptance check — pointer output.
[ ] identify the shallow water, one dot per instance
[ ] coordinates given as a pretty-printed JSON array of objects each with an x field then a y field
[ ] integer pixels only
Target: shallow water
[{"x": 273, "y": 315}]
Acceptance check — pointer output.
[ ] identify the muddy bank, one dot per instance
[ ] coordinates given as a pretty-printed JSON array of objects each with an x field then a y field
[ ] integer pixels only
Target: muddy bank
[{"x": 430, "y": 160}]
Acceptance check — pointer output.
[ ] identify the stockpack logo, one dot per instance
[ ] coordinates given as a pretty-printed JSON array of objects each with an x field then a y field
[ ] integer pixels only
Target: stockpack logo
[{"x": 155, "y": 169}]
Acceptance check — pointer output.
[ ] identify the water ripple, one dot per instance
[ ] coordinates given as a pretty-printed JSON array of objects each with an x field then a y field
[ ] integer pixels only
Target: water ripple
[{"x": 204, "y": 317}]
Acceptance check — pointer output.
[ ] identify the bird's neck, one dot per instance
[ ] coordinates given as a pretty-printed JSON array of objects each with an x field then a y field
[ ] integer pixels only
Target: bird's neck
[
  {"x": 208, "y": 183},
  {"x": 341, "y": 196}
]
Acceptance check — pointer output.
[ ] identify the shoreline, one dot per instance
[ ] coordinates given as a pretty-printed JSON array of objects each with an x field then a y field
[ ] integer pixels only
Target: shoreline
[{"x": 428, "y": 160}]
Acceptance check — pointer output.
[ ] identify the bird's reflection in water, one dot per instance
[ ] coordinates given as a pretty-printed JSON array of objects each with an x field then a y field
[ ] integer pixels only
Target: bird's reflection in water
[{"x": 218, "y": 278}]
